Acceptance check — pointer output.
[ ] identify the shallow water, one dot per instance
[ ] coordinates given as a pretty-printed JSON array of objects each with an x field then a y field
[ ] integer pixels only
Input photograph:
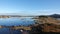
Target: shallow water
[
  {"x": 9, "y": 31},
  {"x": 14, "y": 22}
]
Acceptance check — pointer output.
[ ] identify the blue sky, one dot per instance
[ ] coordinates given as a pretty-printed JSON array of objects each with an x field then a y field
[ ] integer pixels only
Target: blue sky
[{"x": 30, "y": 7}]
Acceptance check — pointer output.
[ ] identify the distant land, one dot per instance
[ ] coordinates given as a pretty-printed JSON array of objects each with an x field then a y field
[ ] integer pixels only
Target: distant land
[
  {"x": 52, "y": 15},
  {"x": 55, "y": 15}
]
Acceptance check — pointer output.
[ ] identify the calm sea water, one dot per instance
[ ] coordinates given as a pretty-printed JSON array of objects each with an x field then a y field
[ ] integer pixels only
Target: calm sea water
[{"x": 14, "y": 22}]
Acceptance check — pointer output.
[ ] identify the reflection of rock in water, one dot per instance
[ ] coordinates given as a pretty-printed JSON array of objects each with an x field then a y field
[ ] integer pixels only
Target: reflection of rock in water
[
  {"x": 21, "y": 31},
  {"x": 24, "y": 32},
  {"x": 17, "y": 32}
]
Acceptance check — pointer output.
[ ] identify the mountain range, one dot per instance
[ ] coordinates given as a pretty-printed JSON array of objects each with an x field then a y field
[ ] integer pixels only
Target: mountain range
[{"x": 53, "y": 15}]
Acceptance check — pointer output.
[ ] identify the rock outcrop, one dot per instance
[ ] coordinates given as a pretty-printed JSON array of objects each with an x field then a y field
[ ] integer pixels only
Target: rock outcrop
[
  {"x": 47, "y": 24},
  {"x": 46, "y": 19}
]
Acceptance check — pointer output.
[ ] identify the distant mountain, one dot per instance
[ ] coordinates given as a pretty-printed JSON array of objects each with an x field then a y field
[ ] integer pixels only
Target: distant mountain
[{"x": 55, "y": 15}]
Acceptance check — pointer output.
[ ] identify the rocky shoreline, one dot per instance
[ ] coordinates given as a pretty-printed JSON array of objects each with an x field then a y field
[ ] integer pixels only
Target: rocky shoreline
[{"x": 46, "y": 24}]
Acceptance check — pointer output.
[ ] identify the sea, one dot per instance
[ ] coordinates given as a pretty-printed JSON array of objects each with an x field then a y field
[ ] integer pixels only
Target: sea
[{"x": 15, "y": 22}]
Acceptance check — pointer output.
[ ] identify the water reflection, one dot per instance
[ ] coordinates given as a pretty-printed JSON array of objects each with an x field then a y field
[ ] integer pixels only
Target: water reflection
[
  {"x": 15, "y": 22},
  {"x": 11, "y": 31}
]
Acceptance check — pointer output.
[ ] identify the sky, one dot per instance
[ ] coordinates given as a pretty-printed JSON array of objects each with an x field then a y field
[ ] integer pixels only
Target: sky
[{"x": 30, "y": 7}]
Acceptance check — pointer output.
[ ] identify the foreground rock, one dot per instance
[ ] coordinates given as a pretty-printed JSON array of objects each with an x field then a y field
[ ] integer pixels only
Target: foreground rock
[{"x": 46, "y": 24}]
